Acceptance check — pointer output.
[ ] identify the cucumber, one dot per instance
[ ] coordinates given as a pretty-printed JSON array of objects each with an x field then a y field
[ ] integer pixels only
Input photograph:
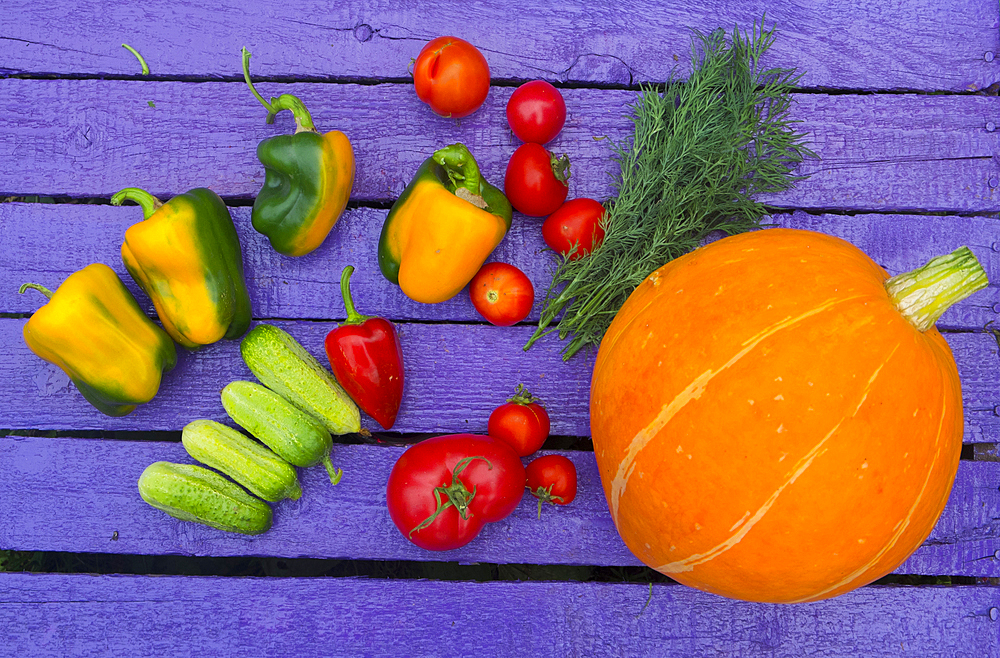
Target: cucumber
[
  {"x": 284, "y": 366},
  {"x": 297, "y": 437},
  {"x": 193, "y": 493},
  {"x": 263, "y": 473}
]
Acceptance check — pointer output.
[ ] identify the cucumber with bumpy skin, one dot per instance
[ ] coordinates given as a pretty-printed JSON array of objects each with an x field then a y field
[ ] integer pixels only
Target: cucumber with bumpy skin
[
  {"x": 297, "y": 437},
  {"x": 284, "y": 366},
  {"x": 193, "y": 493},
  {"x": 263, "y": 473}
]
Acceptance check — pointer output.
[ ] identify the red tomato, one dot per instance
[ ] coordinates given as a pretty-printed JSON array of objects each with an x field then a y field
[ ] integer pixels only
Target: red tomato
[
  {"x": 451, "y": 76},
  {"x": 442, "y": 491},
  {"x": 502, "y": 293},
  {"x": 521, "y": 422},
  {"x": 576, "y": 222},
  {"x": 535, "y": 182},
  {"x": 552, "y": 479},
  {"x": 536, "y": 112}
]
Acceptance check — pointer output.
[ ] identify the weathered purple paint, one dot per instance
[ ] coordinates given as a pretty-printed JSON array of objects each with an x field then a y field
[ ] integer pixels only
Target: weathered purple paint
[
  {"x": 852, "y": 44},
  {"x": 878, "y": 152},
  {"x": 52, "y": 614},
  {"x": 75, "y": 495},
  {"x": 34, "y": 239}
]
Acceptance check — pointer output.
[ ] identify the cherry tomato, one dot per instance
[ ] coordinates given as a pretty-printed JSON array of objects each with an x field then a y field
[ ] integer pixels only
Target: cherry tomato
[
  {"x": 536, "y": 179},
  {"x": 521, "y": 422},
  {"x": 443, "y": 490},
  {"x": 451, "y": 76},
  {"x": 576, "y": 222},
  {"x": 552, "y": 479},
  {"x": 536, "y": 112},
  {"x": 502, "y": 293}
]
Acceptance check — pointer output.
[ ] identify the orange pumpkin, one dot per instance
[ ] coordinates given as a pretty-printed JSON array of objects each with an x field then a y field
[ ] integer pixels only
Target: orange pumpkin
[{"x": 768, "y": 425}]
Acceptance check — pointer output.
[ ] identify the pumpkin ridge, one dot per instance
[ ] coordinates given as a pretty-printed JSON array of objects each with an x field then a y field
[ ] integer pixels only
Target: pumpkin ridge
[
  {"x": 690, "y": 562},
  {"x": 692, "y": 392},
  {"x": 900, "y": 528}
]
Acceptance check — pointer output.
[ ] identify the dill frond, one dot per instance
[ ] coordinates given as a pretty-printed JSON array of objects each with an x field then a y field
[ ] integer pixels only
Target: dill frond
[{"x": 701, "y": 151}]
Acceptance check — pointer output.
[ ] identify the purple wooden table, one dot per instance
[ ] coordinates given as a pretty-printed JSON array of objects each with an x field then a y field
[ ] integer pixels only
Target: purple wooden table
[{"x": 899, "y": 101}]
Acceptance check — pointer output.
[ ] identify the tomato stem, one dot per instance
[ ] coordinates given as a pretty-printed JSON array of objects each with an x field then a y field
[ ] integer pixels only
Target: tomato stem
[
  {"x": 524, "y": 397},
  {"x": 457, "y": 495},
  {"x": 545, "y": 495}
]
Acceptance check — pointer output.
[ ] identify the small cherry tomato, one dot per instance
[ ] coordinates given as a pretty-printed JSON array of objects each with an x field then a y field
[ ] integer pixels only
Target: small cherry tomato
[
  {"x": 443, "y": 490},
  {"x": 521, "y": 422},
  {"x": 576, "y": 222},
  {"x": 502, "y": 293},
  {"x": 451, "y": 76},
  {"x": 536, "y": 112},
  {"x": 535, "y": 182},
  {"x": 552, "y": 479}
]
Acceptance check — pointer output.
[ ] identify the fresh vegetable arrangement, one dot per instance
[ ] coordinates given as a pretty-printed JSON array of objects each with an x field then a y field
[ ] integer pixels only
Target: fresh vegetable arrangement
[
  {"x": 775, "y": 419},
  {"x": 186, "y": 256},
  {"x": 308, "y": 178}
]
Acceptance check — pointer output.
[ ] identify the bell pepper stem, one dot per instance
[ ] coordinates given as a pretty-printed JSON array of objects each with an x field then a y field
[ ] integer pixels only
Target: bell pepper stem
[
  {"x": 461, "y": 167},
  {"x": 353, "y": 317},
  {"x": 34, "y": 286},
  {"x": 147, "y": 201},
  {"x": 303, "y": 120},
  {"x": 928, "y": 291}
]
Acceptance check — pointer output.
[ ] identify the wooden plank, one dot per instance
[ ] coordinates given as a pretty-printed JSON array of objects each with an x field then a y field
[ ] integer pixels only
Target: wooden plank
[
  {"x": 34, "y": 238},
  {"x": 80, "y": 495},
  {"x": 136, "y": 615},
  {"x": 455, "y": 375},
  {"x": 878, "y": 152},
  {"x": 915, "y": 44}
]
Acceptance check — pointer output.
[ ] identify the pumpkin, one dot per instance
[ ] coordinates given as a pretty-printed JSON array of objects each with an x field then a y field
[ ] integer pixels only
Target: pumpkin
[{"x": 767, "y": 423}]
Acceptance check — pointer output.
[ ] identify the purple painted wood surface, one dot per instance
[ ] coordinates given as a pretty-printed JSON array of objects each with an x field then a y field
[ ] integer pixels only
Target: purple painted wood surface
[
  {"x": 879, "y": 152},
  {"x": 45, "y": 615},
  {"x": 455, "y": 375},
  {"x": 34, "y": 238},
  {"x": 80, "y": 495},
  {"x": 912, "y": 44}
]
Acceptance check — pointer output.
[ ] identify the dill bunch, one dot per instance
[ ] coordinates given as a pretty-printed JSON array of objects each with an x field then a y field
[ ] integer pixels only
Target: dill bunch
[{"x": 701, "y": 151}]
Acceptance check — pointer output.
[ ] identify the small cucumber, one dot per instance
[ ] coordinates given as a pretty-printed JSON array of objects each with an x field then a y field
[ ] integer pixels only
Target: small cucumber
[
  {"x": 284, "y": 366},
  {"x": 297, "y": 437},
  {"x": 193, "y": 493},
  {"x": 263, "y": 473}
]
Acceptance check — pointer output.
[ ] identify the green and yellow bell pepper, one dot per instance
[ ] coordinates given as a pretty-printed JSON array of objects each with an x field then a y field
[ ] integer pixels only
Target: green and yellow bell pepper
[
  {"x": 308, "y": 178},
  {"x": 443, "y": 227},
  {"x": 186, "y": 256},
  {"x": 94, "y": 330}
]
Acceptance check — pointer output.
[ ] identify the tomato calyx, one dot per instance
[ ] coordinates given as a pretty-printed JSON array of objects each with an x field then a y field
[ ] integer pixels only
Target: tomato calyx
[
  {"x": 524, "y": 397},
  {"x": 455, "y": 495},
  {"x": 560, "y": 167},
  {"x": 544, "y": 495}
]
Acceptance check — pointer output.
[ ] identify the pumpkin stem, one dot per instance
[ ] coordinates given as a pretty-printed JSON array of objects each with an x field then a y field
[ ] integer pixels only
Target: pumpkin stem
[{"x": 925, "y": 293}]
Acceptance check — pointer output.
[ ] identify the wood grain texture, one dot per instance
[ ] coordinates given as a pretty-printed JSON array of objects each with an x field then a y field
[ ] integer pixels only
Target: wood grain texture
[
  {"x": 853, "y": 44},
  {"x": 91, "y": 138},
  {"x": 76, "y": 495},
  {"x": 455, "y": 375},
  {"x": 177, "y": 616}
]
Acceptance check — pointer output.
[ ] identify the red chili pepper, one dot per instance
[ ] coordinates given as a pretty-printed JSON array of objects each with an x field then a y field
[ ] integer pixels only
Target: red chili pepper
[{"x": 367, "y": 359}]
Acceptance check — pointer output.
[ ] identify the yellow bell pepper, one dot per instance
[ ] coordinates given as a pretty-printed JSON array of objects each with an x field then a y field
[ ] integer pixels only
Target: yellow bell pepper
[
  {"x": 443, "y": 227},
  {"x": 94, "y": 330}
]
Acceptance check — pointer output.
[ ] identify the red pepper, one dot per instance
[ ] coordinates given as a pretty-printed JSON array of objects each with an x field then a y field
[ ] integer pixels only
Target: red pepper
[{"x": 367, "y": 359}]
